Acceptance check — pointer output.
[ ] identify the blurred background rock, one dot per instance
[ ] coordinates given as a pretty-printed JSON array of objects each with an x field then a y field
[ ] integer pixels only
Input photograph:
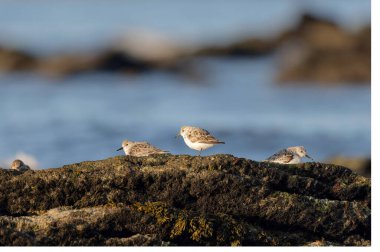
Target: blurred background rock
[
  {"x": 77, "y": 77},
  {"x": 361, "y": 166}
]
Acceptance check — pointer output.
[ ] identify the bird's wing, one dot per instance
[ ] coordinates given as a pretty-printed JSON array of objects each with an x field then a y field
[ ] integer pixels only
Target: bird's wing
[
  {"x": 145, "y": 148},
  {"x": 282, "y": 156},
  {"x": 285, "y": 158},
  {"x": 203, "y": 136},
  {"x": 24, "y": 168}
]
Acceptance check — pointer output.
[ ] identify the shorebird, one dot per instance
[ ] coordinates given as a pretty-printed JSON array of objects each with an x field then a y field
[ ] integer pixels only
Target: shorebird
[
  {"x": 139, "y": 149},
  {"x": 197, "y": 138},
  {"x": 290, "y": 155},
  {"x": 18, "y": 165}
]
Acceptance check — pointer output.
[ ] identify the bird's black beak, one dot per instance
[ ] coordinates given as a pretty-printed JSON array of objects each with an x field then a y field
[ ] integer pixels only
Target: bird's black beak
[
  {"x": 176, "y": 136},
  {"x": 119, "y": 149},
  {"x": 309, "y": 157}
]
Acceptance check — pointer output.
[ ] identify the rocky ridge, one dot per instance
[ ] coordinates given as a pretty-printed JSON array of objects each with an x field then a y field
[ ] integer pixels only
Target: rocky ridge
[{"x": 184, "y": 200}]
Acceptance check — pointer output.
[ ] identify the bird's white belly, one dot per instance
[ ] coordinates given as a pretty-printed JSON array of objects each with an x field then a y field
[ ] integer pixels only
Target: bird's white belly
[
  {"x": 127, "y": 150},
  {"x": 295, "y": 160},
  {"x": 197, "y": 146}
]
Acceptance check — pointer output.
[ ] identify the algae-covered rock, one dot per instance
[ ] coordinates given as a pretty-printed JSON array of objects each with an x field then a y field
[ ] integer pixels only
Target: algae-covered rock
[{"x": 168, "y": 200}]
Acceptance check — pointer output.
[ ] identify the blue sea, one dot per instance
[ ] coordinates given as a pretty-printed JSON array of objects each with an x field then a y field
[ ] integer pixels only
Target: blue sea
[{"x": 85, "y": 117}]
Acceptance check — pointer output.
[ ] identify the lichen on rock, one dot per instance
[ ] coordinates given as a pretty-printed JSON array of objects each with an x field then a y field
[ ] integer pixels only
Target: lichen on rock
[{"x": 184, "y": 200}]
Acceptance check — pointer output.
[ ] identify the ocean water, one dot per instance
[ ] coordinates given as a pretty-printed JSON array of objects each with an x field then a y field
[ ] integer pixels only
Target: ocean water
[{"x": 87, "y": 117}]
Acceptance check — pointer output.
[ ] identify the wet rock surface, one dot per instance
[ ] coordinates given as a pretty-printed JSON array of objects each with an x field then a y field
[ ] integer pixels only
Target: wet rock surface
[{"x": 183, "y": 200}]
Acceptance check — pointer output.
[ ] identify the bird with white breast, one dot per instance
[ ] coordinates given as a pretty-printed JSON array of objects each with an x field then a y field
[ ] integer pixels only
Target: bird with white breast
[
  {"x": 290, "y": 155},
  {"x": 197, "y": 138},
  {"x": 140, "y": 149}
]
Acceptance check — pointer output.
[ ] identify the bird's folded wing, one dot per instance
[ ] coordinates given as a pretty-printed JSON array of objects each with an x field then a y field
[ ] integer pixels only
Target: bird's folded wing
[
  {"x": 203, "y": 136},
  {"x": 146, "y": 148},
  {"x": 216, "y": 141},
  {"x": 283, "y": 158}
]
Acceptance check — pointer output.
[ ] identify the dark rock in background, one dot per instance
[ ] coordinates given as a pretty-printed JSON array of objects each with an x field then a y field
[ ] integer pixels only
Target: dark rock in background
[
  {"x": 320, "y": 51},
  {"x": 15, "y": 60},
  {"x": 316, "y": 51},
  {"x": 360, "y": 165},
  {"x": 250, "y": 47},
  {"x": 184, "y": 200}
]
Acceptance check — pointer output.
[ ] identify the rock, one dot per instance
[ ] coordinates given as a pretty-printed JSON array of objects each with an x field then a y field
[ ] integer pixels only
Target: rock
[
  {"x": 321, "y": 52},
  {"x": 104, "y": 61},
  {"x": 150, "y": 46},
  {"x": 118, "y": 61},
  {"x": 360, "y": 165},
  {"x": 112, "y": 60},
  {"x": 316, "y": 51},
  {"x": 135, "y": 240},
  {"x": 185, "y": 200},
  {"x": 249, "y": 47},
  {"x": 58, "y": 66},
  {"x": 15, "y": 60}
]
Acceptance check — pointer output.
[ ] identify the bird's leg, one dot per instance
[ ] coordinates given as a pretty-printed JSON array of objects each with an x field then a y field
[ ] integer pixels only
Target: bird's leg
[{"x": 199, "y": 154}]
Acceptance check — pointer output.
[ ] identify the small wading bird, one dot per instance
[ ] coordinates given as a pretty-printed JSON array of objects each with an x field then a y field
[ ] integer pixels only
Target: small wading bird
[
  {"x": 197, "y": 138},
  {"x": 18, "y": 165},
  {"x": 291, "y": 155},
  {"x": 139, "y": 149}
]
